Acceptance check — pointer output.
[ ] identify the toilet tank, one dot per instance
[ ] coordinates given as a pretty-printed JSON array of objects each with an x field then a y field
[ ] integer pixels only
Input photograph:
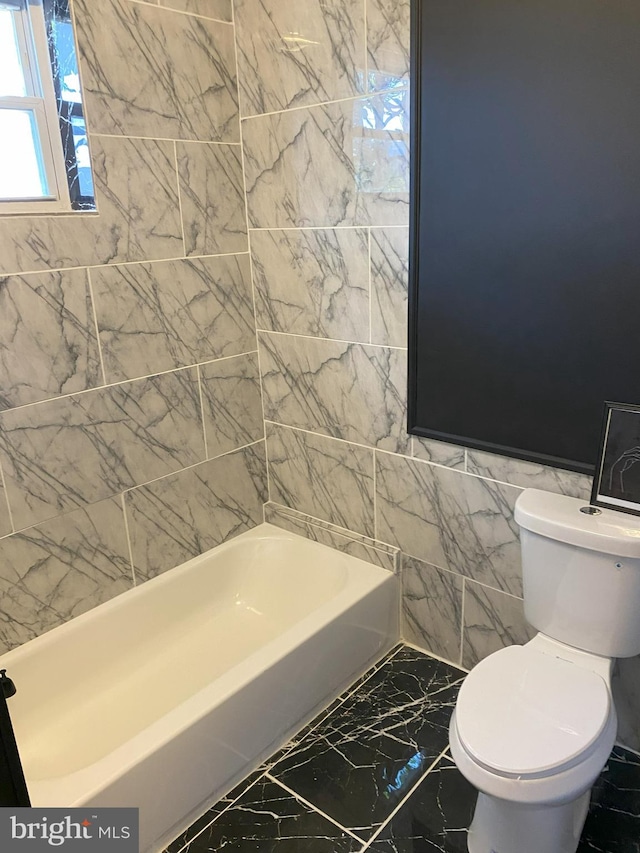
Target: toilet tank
[{"x": 581, "y": 573}]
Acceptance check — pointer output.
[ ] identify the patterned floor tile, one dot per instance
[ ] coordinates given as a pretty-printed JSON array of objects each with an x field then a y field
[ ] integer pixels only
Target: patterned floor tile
[
  {"x": 435, "y": 817},
  {"x": 359, "y": 763},
  {"x": 268, "y": 819},
  {"x": 613, "y": 823}
]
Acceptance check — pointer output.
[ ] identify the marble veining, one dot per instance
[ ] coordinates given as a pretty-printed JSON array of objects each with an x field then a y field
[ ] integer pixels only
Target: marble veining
[
  {"x": 388, "y": 37},
  {"x": 164, "y": 315},
  {"x": 355, "y": 169},
  {"x": 296, "y": 54},
  {"x": 492, "y": 620},
  {"x": 232, "y": 403},
  {"x": 362, "y": 547},
  {"x": 449, "y": 519},
  {"x": 185, "y": 514},
  {"x": 48, "y": 340},
  {"x": 76, "y": 450},
  {"x": 212, "y": 198},
  {"x": 389, "y": 286},
  {"x": 5, "y": 518},
  {"x": 529, "y": 475},
  {"x": 59, "y": 569},
  {"x": 312, "y": 282},
  {"x": 328, "y": 479},
  {"x": 439, "y": 452},
  {"x": 138, "y": 214},
  {"x": 432, "y": 608},
  {"x": 343, "y": 390},
  {"x": 149, "y": 72}
]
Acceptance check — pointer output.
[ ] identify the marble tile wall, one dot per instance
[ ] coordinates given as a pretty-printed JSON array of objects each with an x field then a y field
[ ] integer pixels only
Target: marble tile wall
[
  {"x": 324, "y": 123},
  {"x": 131, "y": 423}
]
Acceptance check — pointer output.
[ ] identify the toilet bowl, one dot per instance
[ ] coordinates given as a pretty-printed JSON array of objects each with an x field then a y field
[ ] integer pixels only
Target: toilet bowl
[{"x": 534, "y": 725}]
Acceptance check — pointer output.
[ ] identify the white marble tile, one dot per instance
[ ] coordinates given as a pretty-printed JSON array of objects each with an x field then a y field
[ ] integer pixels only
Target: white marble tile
[
  {"x": 431, "y": 608},
  {"x": 149, "y": 72},
  {"x": 159, "y": 316},
  {"x": 439, "y": 452},
  {"x": 48, "y": 343},
  {"x": 389, "y": 286},
  {"x": 449, "y": 519},
  {"x": 218, "y": 9},
  {"x": 312, "y": 282},
  {"x": 336, "y": 164},
  {"x": 212, "y": 198},
  {"x": 59, "y": 569},
  {"x": 185, "y": 514},
  {"x": 327, "y": 479},
  {"x": 348, "y": 391},
  {"x": 388, "y": 48},
  {"x": 361, "y": 547},
  {"x": 72, "y": 451},
  {"x": 296, "y": 54},
  {"x": 5, "y": 518},
  {"x": 138, "y": 214},
  {"x": 232, "y": 403},
  {"x": 492, "y": 620},
  {"x": 529, "y": 475}
]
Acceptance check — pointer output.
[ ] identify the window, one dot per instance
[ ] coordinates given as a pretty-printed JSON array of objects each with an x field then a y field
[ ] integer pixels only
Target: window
[{"x": 44, "y": 154}]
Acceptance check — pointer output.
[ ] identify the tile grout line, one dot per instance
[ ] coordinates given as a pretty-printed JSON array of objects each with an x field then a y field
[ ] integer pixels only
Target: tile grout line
[
  {"x": 464, "y": 596},
  {"x": 313, "y": 808},
  {"x": 363, "y": 96},
  {"x": 402, "y": 802},
  {"x": 370, "y": 288},
  {"x": 97, "y": 328},
  {"x": 204, "y": 425},
  {"x": 330, "y": 340},
  {"x": 361, "y": 227},
  {"x": 435, "y": 656},
  {"x": 132, "y": 379},
  {"x": 148, "y": 139},
  {"x": 128, "y": 535},
  {"x": 175, "y": 162},
  {"x": 180, "y": 12},
  {"x": 6, "y": 500},
  {"x": 251, "y": 271},
  {"x": 375, "y": 497},
  {"x": 365, "y": 64}
]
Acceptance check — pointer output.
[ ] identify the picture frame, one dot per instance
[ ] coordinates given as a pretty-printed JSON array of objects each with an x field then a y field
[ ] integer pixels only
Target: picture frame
[{"x": 616, "y": 483}]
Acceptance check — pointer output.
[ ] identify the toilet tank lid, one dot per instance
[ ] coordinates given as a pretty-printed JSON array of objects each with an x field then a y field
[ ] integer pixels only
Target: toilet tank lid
[{"x": 559, "y": 517}]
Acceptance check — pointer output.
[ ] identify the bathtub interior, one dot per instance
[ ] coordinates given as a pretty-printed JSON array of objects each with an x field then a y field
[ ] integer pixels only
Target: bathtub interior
[{"x": 89, "y": 686}]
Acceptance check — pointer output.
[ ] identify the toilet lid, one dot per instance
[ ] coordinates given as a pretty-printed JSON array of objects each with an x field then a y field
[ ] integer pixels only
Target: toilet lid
[{"x": 524, "y": 713}]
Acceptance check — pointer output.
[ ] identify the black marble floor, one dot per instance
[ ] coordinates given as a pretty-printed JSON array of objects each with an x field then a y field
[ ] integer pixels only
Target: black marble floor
[{"x": 373, "y": 773}]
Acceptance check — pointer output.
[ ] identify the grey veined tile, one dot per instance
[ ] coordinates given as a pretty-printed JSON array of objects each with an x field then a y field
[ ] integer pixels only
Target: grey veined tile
[
  {"x": 183, "y": 515},
  {"x": 530, "y": 475},
  {"x": 439, "y": 452},
  {"x": 345, "y": 163},
  {"x": 388, "y": 37},
  {"x": 48, "y": 342},
  {"x": 212, "y": 198},
  {"x": 492, "y": 620},
  {"x": 218, "y": 9},
  {"x": 232, "y": 403},
  {"x": 5, "y": 518},
  {"x": 431, "y": 608},
  {"x": 69, "y": 452},
  {"x": 138, "y": 214},
  {"x": 324, "y": 478},
  {"x": 389, "y": 286},
  {"x": 159, "y": 316},
  {"x": 343, "y": 390},
  {"x": 59, "y": 569},
  {"x": 449, "y": 519},
  {"x": 312, "y": 282},
  {"x": 150, "y": 72},
  {"x": 295, "y": 54}
]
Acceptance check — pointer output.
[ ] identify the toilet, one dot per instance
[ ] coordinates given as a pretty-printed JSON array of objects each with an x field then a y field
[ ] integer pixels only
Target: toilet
[{"x": 534, "y": 725}]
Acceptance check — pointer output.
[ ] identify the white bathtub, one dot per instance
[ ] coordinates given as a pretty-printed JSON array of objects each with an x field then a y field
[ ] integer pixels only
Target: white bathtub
[{"x": 167, "y": 695}]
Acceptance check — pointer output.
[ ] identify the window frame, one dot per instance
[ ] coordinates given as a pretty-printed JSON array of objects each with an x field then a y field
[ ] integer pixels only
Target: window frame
[{"x": 41, "y": 101}]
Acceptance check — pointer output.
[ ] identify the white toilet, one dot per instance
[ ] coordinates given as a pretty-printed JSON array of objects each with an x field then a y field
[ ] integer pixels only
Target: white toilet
[{"x": 534, "y": 725}]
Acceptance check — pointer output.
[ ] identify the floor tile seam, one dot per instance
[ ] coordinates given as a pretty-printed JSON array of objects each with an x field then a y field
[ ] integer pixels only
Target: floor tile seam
[
  {"x": 220, "y": 813},
  {"x": 314, "y": 808},
  {"x": 402, "y": 802},
  {"x": 341, "y": 699}
]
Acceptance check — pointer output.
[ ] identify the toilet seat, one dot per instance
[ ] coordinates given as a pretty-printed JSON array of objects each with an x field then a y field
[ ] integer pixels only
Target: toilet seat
[{"x": 525, "y": 714}]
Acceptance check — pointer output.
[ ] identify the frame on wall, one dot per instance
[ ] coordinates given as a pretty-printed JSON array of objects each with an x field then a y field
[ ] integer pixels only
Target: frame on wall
[{"x": 616, "y": 484}]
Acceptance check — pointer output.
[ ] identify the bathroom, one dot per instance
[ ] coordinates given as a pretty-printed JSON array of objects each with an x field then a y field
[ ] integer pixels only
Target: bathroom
[{"x": 241, "y": 296}]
